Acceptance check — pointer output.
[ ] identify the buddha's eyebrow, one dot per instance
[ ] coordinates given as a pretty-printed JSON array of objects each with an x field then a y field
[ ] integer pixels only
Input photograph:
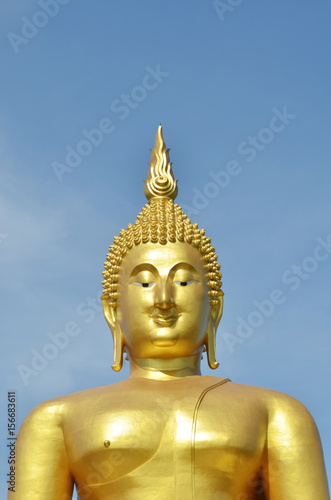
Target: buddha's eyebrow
[
  {"x": 143, "y": 267},
  {"x": 184, "y": 265}
]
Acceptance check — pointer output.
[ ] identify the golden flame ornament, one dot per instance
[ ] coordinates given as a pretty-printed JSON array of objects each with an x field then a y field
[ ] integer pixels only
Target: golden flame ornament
[{"x": 160, "y": 179}]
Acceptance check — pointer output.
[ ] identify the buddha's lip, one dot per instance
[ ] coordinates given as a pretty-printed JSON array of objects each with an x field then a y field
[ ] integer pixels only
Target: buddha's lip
[{"x": 164, "y": 319}]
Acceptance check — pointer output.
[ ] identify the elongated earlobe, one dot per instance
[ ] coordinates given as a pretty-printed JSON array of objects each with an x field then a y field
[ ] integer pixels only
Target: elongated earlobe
[
  {"x": 110, "y": 315},
  {"x": 118, "y": 348},
  {"x": 211, "y": 345},
  {"x": 215, "y": 316}
]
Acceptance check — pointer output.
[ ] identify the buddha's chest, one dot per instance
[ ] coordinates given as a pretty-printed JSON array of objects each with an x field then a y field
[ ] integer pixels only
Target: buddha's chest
[{"x": 162, "y": 436}]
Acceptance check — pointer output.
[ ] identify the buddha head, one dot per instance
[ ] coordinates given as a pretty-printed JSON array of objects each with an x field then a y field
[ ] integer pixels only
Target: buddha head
[{"x": 162, "y": 283}]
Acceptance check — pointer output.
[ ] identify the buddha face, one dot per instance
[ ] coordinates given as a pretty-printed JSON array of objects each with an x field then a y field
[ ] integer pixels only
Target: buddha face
[{"x": 163, "y": 305}]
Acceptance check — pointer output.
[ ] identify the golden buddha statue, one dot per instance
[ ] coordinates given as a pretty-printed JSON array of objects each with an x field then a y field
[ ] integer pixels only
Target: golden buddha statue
[{"x": 167, "y": 432}]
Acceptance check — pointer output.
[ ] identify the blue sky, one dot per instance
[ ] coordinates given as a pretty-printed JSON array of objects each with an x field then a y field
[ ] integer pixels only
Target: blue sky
[{"x": 244, "y": 99}]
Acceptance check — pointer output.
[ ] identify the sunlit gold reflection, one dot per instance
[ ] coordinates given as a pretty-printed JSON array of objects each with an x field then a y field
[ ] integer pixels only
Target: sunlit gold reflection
[{"x": 167, "y": 432}]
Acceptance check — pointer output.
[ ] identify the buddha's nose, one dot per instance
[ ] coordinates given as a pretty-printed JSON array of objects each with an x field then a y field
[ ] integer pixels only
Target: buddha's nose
[{"x": 163, "y": 298}]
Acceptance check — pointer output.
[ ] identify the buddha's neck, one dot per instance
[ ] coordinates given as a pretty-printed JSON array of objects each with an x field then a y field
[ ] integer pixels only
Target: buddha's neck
[{"x": 165, "y": 369}]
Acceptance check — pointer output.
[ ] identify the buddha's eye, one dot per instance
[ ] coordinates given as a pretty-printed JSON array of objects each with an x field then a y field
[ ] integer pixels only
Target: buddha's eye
[
  {"x": 185, "y": 283},
  {"x": 144, "y": 285}
]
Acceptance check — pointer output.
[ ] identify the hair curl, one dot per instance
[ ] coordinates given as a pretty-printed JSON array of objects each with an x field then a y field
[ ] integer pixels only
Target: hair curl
[{"x": 161, "y": 221}]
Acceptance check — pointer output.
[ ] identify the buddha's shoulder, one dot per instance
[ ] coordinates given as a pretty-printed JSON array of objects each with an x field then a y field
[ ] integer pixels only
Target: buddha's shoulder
[
  {"x": 272, "y": 400},
  {"x": 54, "y": 410}
]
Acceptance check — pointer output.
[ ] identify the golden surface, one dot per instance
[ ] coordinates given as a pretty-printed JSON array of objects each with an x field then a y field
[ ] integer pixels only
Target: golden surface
[
  {"x": 160, "y": 221},
  {"x": 167, "y": 432},
  {"x": 160, "y": 179}
]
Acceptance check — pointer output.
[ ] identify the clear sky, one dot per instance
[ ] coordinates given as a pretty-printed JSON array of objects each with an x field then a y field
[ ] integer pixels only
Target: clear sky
[{"x": 243, "y": 94}]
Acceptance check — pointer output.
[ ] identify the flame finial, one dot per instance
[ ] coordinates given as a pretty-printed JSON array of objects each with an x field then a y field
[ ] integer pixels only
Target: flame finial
[{"x": 160, "y": 181}]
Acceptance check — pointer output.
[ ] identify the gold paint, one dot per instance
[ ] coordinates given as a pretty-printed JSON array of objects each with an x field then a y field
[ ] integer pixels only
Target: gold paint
[
  {"x": 160, "y": 180},
  {"x": 174, "y": 434},
  {"x": 160, "y": 221}
]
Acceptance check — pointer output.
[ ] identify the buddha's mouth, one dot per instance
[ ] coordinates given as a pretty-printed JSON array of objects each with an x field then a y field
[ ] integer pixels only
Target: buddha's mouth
[{"x": 164, "y": 319}]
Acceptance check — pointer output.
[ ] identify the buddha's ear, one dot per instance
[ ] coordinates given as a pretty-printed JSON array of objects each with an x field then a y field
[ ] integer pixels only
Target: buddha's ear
[
  {"x": 215, "y": 314},
  {"x": 216, "y": 311},
  {"x": 110, "y": 314}
]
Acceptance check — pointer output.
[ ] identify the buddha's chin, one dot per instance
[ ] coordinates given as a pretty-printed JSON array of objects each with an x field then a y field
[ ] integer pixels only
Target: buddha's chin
[{"x": 164, "y": 337}]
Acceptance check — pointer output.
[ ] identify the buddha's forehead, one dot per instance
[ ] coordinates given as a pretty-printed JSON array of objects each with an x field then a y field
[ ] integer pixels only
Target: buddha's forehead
[{"x": 162, "y": 257}]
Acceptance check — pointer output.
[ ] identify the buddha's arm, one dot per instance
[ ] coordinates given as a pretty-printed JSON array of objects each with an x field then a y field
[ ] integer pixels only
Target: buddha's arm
[
  {"x": 42, "y": 470},
  {"x": 295, "y": 459}
]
